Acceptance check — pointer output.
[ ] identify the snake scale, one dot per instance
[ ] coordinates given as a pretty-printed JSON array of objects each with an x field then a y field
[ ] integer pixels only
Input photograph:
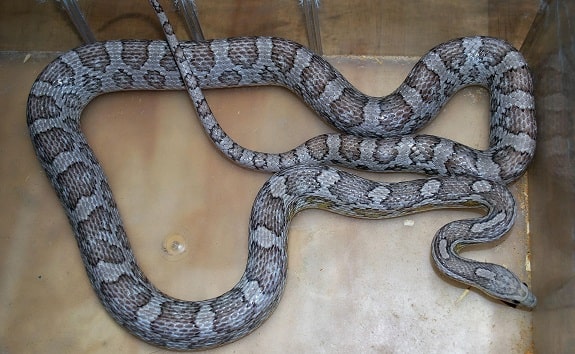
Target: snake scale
[{"x": 377, "y": 137}]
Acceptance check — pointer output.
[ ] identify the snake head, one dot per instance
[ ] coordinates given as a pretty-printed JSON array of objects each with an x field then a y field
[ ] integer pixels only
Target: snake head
[
  {"x": 502, "y": 284},
  {"x": 527, "y": 300}
]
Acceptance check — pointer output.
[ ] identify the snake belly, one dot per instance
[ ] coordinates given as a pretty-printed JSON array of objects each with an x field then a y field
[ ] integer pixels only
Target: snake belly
[{"x": 373, "y": 140}]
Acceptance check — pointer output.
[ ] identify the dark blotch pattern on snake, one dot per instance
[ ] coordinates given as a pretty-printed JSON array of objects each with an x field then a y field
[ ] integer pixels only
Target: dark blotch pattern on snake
[{"x": 376, "y": 138}]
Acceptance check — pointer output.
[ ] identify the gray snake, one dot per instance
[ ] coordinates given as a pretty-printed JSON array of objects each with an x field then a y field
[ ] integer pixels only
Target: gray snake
[{"x": 377, "y": 138}]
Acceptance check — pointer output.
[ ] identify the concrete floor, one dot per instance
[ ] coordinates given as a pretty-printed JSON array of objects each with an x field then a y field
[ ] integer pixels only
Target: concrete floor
[{"x": 353, "y": 285}]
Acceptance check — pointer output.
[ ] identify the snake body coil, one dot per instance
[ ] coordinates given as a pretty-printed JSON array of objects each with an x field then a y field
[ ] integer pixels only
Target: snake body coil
[{"x": 374, "y": 139}]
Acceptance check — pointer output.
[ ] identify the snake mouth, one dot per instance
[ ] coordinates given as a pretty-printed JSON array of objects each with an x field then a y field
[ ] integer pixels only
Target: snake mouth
[{"x": 513, "y": 304}]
